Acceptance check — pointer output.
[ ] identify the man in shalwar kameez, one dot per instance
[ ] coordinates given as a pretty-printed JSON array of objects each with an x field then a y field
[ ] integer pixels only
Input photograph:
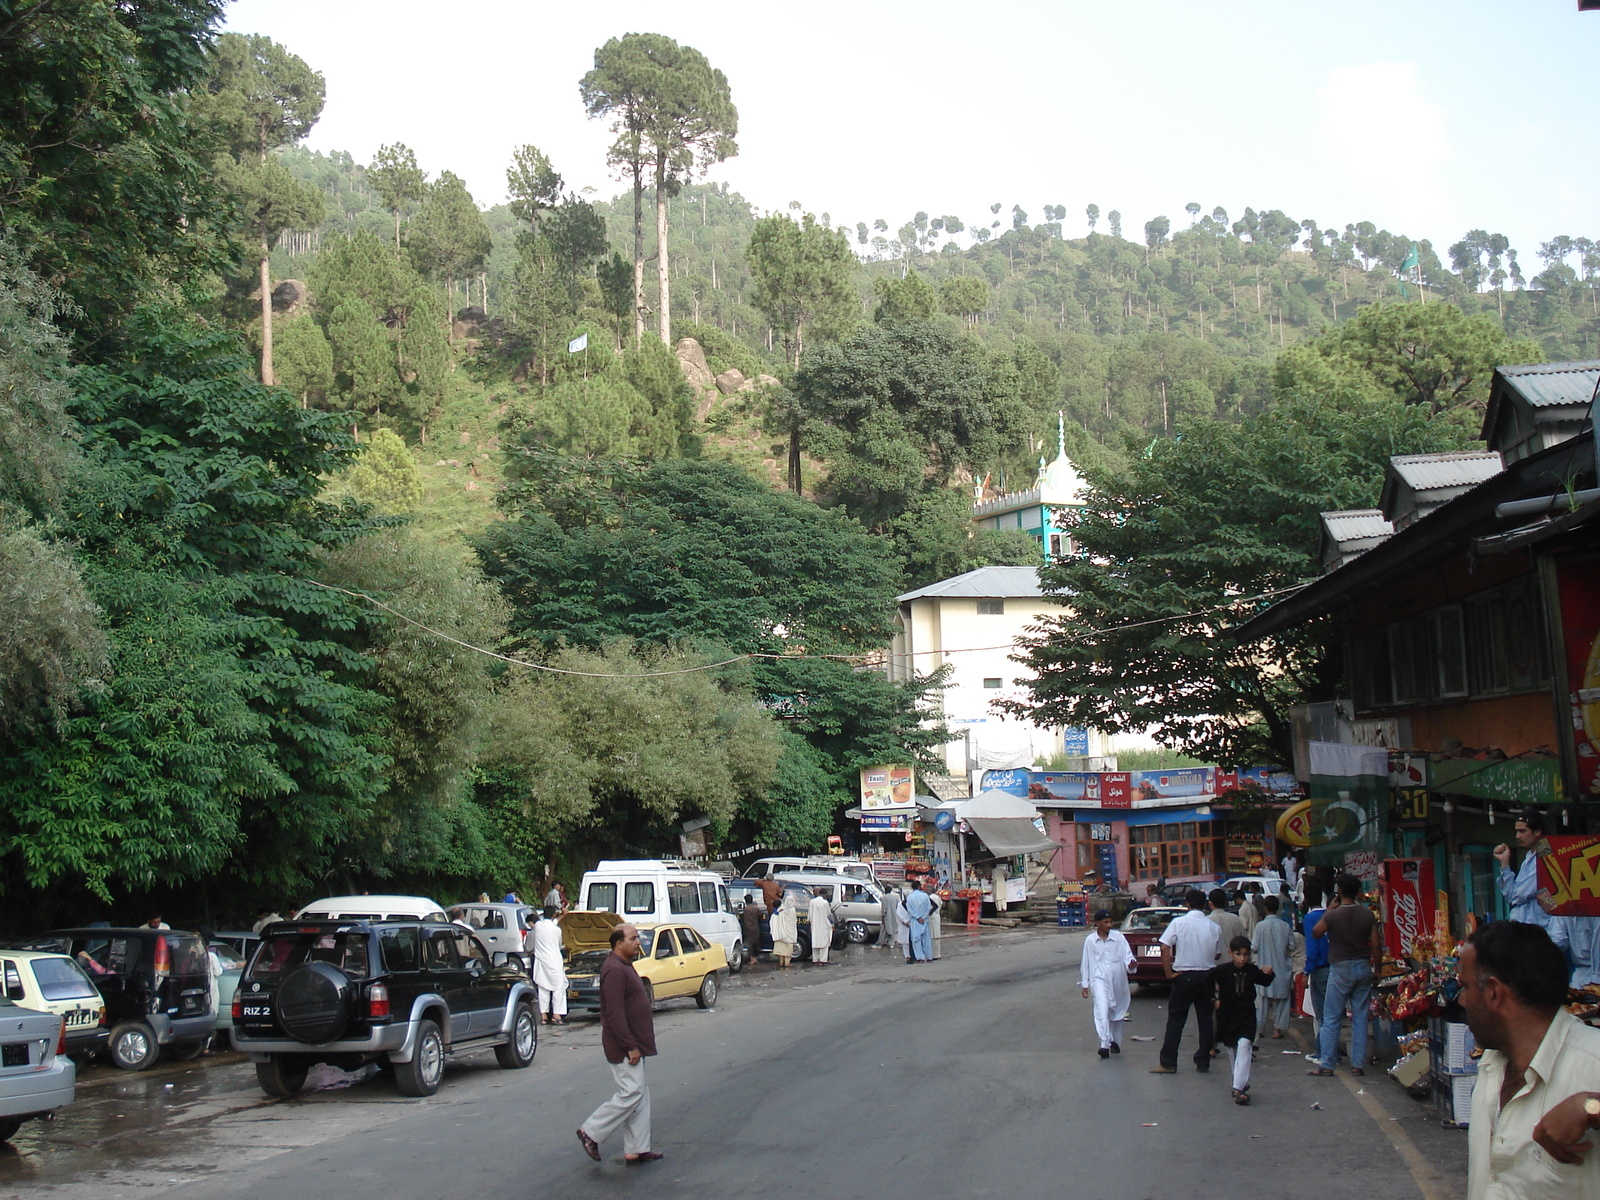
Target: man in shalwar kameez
[
  {"x": 918, "y": 908},
  {"x": 1272, "y": 945},
  {"x": 1103, "y": 976},
  {"x": 889, "y": 920}
]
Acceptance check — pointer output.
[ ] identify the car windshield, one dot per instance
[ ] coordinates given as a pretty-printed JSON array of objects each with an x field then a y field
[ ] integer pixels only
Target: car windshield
[
  {"x": 647, "y": 938},
  {"x": 281, "y": 953},
  {"x": 1149, "y": 918}
]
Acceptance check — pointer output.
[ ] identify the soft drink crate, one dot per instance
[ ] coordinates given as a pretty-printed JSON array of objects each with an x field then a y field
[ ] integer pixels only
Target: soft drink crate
[
  {"x": 1451, "y": 1045},
  {"x": 1071, "y": 914},
  {"x": 1452, "y": 1096}
]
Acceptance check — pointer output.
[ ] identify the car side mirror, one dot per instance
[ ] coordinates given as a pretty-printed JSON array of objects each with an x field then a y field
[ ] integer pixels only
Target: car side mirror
[{"x": 499, "y": 958}]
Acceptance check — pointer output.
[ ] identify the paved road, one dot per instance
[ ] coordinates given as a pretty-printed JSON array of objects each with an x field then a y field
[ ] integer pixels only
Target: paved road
[{"x": 971, "y": 1077}]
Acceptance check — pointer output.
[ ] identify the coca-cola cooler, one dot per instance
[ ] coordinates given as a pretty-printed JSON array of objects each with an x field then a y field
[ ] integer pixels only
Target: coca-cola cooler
[{"x": 1409, "y": 902}]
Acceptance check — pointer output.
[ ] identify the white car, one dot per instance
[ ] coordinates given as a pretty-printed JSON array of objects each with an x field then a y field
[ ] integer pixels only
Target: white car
[
  {"x": 36, "y": 1076},
  {"x": 372, "y": 908},
  {"x": 55, "y": 983}
]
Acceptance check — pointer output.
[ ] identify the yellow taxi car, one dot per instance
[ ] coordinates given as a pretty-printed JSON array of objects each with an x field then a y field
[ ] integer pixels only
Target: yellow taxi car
[
  {"x": 55, "y": 983},
  {"x": 674, "y": 959}
]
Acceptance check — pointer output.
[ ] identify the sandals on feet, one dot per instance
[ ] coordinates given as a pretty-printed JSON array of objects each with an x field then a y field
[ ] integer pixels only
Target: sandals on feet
[{"x": 1321, "y": 1072}]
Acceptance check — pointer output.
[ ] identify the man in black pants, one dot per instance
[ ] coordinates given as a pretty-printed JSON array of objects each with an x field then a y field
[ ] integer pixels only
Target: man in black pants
[{"x": 1188, "y": 952}]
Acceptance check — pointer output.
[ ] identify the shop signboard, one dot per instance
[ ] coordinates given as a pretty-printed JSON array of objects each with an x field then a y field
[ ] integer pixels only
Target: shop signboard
[
  {"x": 1519, "y": 781},
  {"x": 887, "y": 787},
  {"x": 1580, "y": 642},
  {"x": 1363, "y": 864},
  {"x": 1569, "y": 876},
  {"x": 1265, "y": 780},
  {"x": 1015, "y": 781},
  {"x": 1079, "y": 788},
  {"x": 1294, "y": 825},
  {"x": 1165, "y": 785},
  {"x": 884, "y": 822},
  {"x": 1075, "y": 742},
  {"x": 1116, "y": 789},
  {"x": 1409, "y": 904}
]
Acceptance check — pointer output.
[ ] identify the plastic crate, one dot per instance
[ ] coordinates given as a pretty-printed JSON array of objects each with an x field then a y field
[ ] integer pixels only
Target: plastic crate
[{"x": 1072, "y": 914}]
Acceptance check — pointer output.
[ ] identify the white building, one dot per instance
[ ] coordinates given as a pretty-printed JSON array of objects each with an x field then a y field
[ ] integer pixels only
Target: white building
[{"x": 974, "y": 622}]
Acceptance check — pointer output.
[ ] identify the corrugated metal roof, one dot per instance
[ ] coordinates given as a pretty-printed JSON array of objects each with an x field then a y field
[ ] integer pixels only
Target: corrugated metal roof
[
  {"x": 1463, "y": 468},
  {"x": 1352, "y": 523},
  {"x": 986, "y": 583},
  {"x": 1553, "y": 385}
]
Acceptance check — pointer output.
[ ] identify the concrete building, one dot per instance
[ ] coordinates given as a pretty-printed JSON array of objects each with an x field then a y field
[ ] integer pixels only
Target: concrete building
[
  {"x": 973, "y": 622},
  {"x": 1037, "y": 510}
]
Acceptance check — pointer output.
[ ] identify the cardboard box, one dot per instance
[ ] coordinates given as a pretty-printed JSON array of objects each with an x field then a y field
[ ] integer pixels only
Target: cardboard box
[
  {"x": 1451, "y": 1045},
  {"x": 1452, "y": 1096},
  {"x": 1412, "y": 1069}
]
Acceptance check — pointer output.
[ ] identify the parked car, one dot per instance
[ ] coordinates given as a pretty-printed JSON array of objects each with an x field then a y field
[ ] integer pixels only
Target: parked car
[
  {"x": 1143, "y": 928},
  {"x": 830, "y": 864},
  {"x": 54, "y": 983},
  {"x": 36, "y": 1076},
  {"x": 501, "y": 927},
  {"x": 156, "y": 984},
  {"x": 233, "y": 964},
  {"x": 241, "y": 941},
  {"x": 674, "y": 959},
  {"x": 662, "y": 890},
  {"x": 857, "y": 905},
  {"x": 371, "y": 908},
  {"x": 1270, "y": 885},
  {"x": 405, "y": 993}
]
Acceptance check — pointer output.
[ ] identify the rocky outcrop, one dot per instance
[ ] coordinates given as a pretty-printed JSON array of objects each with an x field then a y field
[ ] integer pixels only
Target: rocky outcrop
[
  {"x": 732, "y": 380},
  {"x": 289, "y": 297},
  {"x": 766, "y": 381},
  {"x": 692, "y": 360}
]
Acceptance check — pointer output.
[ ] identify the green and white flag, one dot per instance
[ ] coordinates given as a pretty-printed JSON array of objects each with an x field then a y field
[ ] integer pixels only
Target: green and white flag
[
  {"x": 578, "y": 343},
  {"x": 1411, "y": 259}
]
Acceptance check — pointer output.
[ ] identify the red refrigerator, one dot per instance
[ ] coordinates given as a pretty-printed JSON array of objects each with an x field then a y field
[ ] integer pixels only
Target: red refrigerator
[{"x": 1409, "y": 903}]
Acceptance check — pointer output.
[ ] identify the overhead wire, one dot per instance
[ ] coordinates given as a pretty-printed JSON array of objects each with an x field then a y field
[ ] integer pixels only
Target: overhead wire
[{"x": 738, "y": 658}]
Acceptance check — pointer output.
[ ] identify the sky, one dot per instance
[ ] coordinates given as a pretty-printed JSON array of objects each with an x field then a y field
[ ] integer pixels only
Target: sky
[{"x": 1428, "y": 118}]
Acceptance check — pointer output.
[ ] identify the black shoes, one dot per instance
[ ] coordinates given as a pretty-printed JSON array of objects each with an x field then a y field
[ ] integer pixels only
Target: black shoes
[
  {"x": 1104, "y": 1053},
  {"x": 1116, "y": 1049}
]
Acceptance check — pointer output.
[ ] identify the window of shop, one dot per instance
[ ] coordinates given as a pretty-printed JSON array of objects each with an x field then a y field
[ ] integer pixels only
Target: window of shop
[{"x": 1172, "y": 850}]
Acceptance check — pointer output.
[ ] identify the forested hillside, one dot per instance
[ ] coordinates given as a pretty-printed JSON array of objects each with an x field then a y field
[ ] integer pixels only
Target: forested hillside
[{"x": 352, "y": 535}]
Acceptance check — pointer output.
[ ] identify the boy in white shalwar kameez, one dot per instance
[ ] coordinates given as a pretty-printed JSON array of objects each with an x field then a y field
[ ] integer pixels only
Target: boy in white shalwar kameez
[{"x": 1107, "y": 959}]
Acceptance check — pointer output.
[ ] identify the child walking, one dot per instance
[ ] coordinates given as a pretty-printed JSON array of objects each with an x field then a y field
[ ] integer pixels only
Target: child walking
[{"x": 1235, "y": 982}]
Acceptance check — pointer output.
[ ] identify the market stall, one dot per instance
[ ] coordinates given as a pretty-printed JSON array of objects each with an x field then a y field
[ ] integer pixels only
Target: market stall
[{"x": 984, "y": 844}]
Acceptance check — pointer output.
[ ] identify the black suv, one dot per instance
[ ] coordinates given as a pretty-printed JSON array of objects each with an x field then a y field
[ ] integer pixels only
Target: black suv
[
  {"x": 402, "y": 993},
  {"x": 156, "y": 984}
]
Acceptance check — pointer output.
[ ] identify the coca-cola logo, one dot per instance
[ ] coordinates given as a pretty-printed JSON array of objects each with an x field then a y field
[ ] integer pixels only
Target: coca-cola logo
[{"x": 1407, "y": 917}]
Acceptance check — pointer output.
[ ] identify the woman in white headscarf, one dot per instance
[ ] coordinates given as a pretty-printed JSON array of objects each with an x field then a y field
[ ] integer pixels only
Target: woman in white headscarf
[{"x": 785, "y": 929}]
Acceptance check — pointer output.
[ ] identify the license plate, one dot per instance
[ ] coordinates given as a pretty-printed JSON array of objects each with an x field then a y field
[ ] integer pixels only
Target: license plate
[
  {"x": 14, "y": 1054},
  {"x": 1150, "y": 951},
  {"x": 256, "y": 1010},
  {"x": 81, "y": 1018}
]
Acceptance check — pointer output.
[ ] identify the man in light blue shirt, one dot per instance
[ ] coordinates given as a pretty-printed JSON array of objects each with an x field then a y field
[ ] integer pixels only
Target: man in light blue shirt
[
  {"x": 1576, "y": 937},
  {"x": 1519, "y": 887}
]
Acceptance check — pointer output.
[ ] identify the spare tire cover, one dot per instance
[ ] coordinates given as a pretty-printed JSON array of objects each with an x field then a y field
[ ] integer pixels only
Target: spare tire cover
[{"x": 314, "y": 1002}]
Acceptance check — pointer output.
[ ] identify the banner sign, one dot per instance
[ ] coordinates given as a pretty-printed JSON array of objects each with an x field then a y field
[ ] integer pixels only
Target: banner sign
[
  {"x": 1075, "y": 742},
  {"x": 1266, "y": 780},
  {"x": 887, "y": 787},
  {"x": 1116, "y": 789},
  {"x": 1520, "y": 781},
  {"x": 886, "y": 822},
  {"x": 1294, "y": 825},
  {"x": 1569, "y": 876},
  {"x": 1580, "y": 642},
  {"x": 1408, "y": 904}
]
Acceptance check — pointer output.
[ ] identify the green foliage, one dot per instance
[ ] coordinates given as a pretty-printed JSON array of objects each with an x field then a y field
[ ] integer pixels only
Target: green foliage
[
  {"x": 449, "y": 239},
  {"x": 910, "y": 299},
  {"x": 396, "y": 178},
  {"x": 936, "y": 539},
  {"x": 36, "y": 435},
  {"x": 385, "y": 476},
  {"x": 258, "y": 96},
  {"x": 903, "y": 405},
  {"x": 1183, "y": 546},
  {"x": 363, "y": 360},
  {"x": 102, "y": 180},
  {"x": 51, "y": 643},
  {"x": 964, "y": 296},
  {"x": 303, "y": 361},
  {"x": 661, "y": 425},
  {"x": 802, "y": 274}
]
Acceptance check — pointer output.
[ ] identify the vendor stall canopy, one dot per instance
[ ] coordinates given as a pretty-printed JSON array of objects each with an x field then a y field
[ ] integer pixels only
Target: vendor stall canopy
[{"x": 1003, "y": 822}]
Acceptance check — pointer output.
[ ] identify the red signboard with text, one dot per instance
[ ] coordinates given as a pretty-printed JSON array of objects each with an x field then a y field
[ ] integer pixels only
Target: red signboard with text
[
  {"x": 1409, "y": 903},
  {"x": 1116, "y": 789},
  {"x": 1569, "y": 877}
]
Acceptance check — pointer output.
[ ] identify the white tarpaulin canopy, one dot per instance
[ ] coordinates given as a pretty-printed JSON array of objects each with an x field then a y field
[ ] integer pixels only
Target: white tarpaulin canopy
[
  {"x": 991, "y": 802},
  {"x": 1002, "y": 822}
]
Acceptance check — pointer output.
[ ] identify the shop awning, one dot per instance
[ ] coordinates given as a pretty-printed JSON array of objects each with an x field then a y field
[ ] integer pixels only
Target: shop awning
[{"x": 1005, "y": 836}]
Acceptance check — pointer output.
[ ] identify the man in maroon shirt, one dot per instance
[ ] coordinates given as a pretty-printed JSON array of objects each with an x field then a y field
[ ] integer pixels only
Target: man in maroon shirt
[{"x": 628, "y": 1037}]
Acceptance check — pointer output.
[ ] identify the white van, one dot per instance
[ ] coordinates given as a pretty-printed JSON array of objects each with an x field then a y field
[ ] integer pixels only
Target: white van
[
  {"x": 830, "y": 864},
  {"x": 372, "y": 908},
  {"x": 652, "y": 889}
]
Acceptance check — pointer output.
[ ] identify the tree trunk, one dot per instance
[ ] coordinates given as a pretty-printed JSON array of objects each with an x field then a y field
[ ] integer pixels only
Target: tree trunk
[
  {"x": 663, "y": 301},
  {"x": 794, "y": 456},
  {"x": 638, "y": 253},
  {"x": 397, "y": 229},
  {"x": 266, "y": 315}
]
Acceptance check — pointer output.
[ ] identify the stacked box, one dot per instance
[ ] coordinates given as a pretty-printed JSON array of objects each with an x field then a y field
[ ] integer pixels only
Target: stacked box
[
  {"x": 1072, "y": 914},
  {"x": 1452, "y": 1096},
  {"x": 1450, "y": 1045}
]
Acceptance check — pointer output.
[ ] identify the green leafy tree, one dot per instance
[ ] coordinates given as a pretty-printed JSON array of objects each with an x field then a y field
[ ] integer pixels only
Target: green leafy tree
[
  {"x": 450, "y": 239},
  {"x": 616, "y": 289},
  {"x": 910, "y": 299},
  {"x": 964, "y": 296},
  {"x": 672, "y": 115},
  {"x": 802, "y": 275},
  {"x": 363, "y": 359},
  {"x": 385, "y": 476},
  {"x": 534, "y": 186},
  {"x": 260, "y": 98},
  {"x": 399, "y": 182},
  {"x": 1183, "y": 547},
  {"x": 104, "y": 183},
  {"x": 303, "y": 361}
]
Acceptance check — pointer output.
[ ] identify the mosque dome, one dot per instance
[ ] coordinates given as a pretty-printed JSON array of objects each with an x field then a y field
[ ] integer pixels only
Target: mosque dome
[{"x": 1059, "y": 482}]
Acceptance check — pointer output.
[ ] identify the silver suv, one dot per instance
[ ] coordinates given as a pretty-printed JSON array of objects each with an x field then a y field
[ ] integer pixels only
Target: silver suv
[{"x": 857, "y": 904}]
